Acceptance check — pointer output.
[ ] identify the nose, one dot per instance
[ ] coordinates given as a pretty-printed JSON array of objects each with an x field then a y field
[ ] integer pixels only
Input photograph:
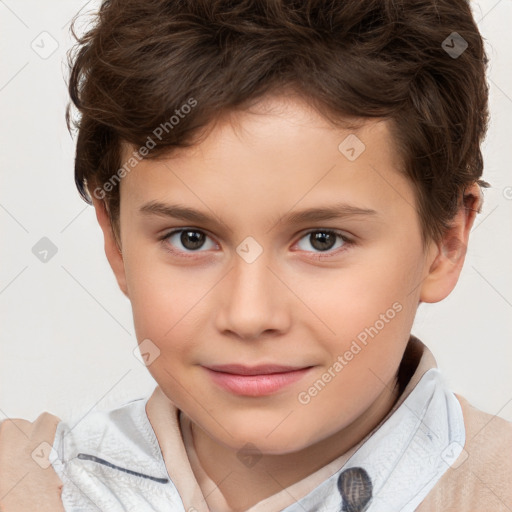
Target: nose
[{"x": 254, "y": 301}]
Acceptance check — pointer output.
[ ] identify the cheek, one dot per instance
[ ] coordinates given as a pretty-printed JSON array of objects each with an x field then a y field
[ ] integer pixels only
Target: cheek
[
  {"x": 369, "y": 310},
  {"x": 165, "y": 302},
  {"x": 163, "y": 312},
  {"x": 372, "y": 330},
  {"x": 364, "y": 294}
]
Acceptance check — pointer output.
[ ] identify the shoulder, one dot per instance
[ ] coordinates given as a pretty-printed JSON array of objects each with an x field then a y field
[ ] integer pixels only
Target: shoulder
[
  {"x": 34, "y": 454},
  {"x": 27, "y": 480},
  {"x": 108, "y": 433},
  {"x": 480, "y": 478},
  {"x": 44, "y": 463},
  {"x": 114, "y": 455}
]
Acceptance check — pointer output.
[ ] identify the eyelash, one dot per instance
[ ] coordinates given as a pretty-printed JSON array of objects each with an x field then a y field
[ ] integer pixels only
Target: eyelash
[{"x": 348, "y": 243}]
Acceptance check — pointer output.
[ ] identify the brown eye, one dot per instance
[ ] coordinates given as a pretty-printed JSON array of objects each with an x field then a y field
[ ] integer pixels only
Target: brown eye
[
  {"x": 187, "y": 240},
  {"x": 322, "y": 240},
  {"x": 192, "y": 239}
]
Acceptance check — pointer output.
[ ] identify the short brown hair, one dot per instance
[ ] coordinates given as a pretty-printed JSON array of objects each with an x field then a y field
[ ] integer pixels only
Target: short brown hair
[{"x": 143, "y": 61}]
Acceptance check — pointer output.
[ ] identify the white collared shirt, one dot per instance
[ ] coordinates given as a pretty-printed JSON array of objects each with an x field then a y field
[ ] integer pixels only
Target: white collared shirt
[{"x": 112, "y": 461}]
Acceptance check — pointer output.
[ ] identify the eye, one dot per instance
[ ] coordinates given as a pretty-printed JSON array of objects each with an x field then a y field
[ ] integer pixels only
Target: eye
[
  {"x": 189, "y": 238},
  {"x": 324, "y": 240}
]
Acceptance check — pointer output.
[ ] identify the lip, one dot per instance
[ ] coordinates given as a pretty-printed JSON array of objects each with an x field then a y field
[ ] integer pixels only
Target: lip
[
  {"x": 256, "y": 380},
  {"x": 262, "y": 369}
]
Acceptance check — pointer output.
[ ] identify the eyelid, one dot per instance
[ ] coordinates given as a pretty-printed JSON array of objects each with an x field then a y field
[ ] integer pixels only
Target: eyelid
[{"x": 340, "y": 233}]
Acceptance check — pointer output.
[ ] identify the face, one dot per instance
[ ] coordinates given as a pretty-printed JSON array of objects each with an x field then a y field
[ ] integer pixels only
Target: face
[{"x": 269, "y": 243}]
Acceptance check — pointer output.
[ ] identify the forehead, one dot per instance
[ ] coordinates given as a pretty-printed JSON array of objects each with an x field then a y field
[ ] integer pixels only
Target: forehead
[{"x": 278, "y": 152}]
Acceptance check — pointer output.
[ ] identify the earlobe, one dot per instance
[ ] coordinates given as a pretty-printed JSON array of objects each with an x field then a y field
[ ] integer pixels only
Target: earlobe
[
  {"x": 112, "y": 249},
  {"x": 447, "y": 257}
]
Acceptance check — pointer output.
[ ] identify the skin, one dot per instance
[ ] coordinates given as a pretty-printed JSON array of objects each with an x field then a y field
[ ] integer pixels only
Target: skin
[{"x": 293, "y": 305}]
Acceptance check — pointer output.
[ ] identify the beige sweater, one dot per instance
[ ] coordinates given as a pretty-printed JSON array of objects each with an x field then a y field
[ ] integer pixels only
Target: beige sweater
[{"x": 479, "y": 480}]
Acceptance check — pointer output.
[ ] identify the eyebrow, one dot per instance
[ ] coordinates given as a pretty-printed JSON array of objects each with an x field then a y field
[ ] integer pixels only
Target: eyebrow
[{"x": 336, "y": 211}]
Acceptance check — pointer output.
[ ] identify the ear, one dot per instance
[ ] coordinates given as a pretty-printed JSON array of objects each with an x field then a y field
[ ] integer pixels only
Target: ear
[
  {"x": 449, "y": 254},
  {"x": 112, "y": 249}
]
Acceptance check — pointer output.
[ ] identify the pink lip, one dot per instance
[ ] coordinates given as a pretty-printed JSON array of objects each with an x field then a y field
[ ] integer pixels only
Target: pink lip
[{"x": 256, "y": 380}]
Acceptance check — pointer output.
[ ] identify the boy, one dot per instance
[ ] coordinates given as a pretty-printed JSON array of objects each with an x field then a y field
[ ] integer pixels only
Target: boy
[{"x": 279, "y": 184}]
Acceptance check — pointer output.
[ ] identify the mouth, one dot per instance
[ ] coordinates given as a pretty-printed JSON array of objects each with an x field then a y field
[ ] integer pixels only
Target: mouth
[
  {"x": 256, "y": 380},
  {"x": 262, "y": 369}
]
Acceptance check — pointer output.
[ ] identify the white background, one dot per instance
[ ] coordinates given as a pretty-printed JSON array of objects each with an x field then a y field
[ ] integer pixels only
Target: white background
[{"x": 66, "y": 332}]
